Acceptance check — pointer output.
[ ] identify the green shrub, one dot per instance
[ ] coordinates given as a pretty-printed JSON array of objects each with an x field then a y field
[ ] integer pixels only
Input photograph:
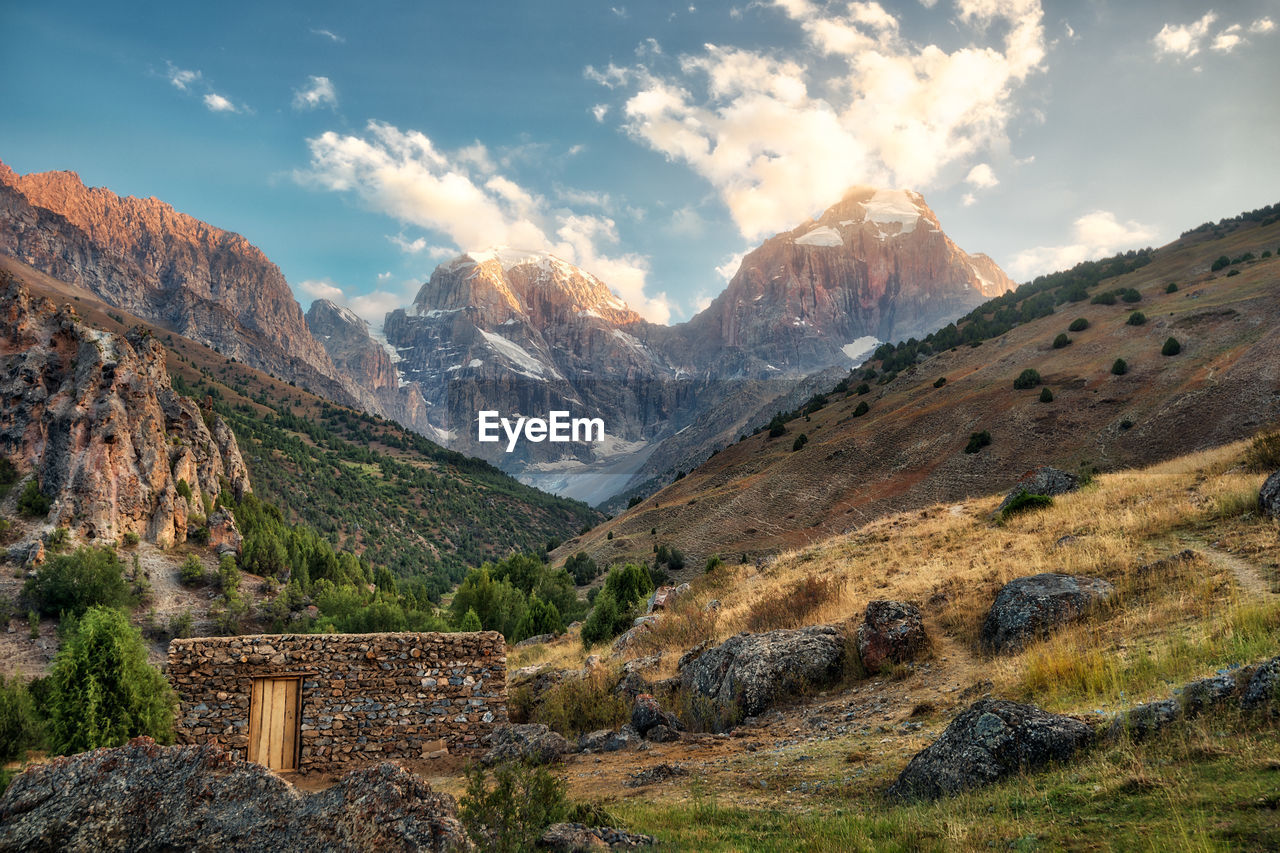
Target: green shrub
[
  {"x": 1171, "y": 288},
  {"x": 1046, "y": 396},
  {"x": 1078, "y": 325},
  {"x": 19, "y": 727},
  {"x": 191, "y": 573},
  {"x": 861, "y": 409},
  {"x": 509, "y": 813},
  {"x": 1025, "y": 502},
  {"x": 73, "y": 583},
  {"x": 58, "y": 539},
  {"x": 1061, "y": 341},
  {"x": 801, "y": 441},
  {"x": 1126, "y": 424},
  {"x": 1119, "y": 367},
  {"x": 583, "y": 569},
  {"x": 1221, "y": 262},
  {"x": 1171, "y": 347},
  {"x": 1137, "y": 318},
  {"x": 864, "y": 388},
  {"x": 977, "y": 441},
  {"x": 182, "y": 625},
  {"x": 471, "y": 622},
  {"x": 1105, "y": 298},
  {"x": 103, "y": 690},
  {"x": 131, "y": 539},
  {"x": 1130, "y": 295},
  {"x": 184, "y": 489},
  {"x": 1028, "y": 378},
  {"x": 1233, "y": 272},
  {"x": 33, "y": 502},
  {"x": 1263, "y": 453},
  {"x": 939, "y": 382}
]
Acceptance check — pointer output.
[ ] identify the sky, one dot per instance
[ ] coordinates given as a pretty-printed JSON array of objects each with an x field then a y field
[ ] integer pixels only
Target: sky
[{"x": 651, "y": 143}]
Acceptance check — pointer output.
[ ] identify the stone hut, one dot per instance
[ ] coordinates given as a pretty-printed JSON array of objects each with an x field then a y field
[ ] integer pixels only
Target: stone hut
[{"x": 310, "y": 702}]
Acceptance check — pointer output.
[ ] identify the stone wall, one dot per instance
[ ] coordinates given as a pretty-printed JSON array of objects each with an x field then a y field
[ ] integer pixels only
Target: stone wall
[{"x": 365, "y": 697}]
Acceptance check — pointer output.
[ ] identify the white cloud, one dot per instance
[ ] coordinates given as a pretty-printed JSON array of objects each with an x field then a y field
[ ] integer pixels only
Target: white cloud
[
  {"x": 969, "y": 200},
  {"x": 403, "y": 175},
  {"x": 1096, "y": 234},
  {"x": 322, "y": 288},
  {"x": 1262, "y": 25},
  {"x": 328, "y": 34},
  {"x": 384, "y": 276},
  {"x": 183, "y": 78},
  {"x": 1183, "y": 41},
  {"x": 318, "y": 92},
  {"x": 982, "y": 177},
  {"x": 779, "y": 139},
  {"x": 1227, "y": 40},
  {"x": 600, "y": 111},
  {"x": 729, "y": 268},
  {"x": 218, "y": 104}
]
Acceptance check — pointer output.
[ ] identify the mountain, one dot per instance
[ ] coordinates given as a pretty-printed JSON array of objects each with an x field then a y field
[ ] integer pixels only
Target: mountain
[
  {"x": 524, "y": 332},
  {"x": 907, "y": 450}
]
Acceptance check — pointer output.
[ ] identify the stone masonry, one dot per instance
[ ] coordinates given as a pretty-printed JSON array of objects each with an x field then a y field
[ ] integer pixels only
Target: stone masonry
[{"x": 364, "y": 697}]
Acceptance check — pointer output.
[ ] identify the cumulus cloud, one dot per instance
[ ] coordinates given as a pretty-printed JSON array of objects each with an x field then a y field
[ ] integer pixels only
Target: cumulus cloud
[
  {"x": 219, "y": 104},
  {"x": 729, "y": 268},
  {"x": 183, "y": 78},
  {"x": 1227, "y": 40},
  {"x": 460, "y": 195},
  {"x": 318, "y": 92},
  {"x": 1262, "y": 25},
  {"x": 1183, "y": 41},
  {"x": 600, "y": 111},
  {"x": 780, "y": 136},
  {"x": 1096, "y": 234},
  {"x": 322, "y": 288},
  {"x": 982, "y": 177}
]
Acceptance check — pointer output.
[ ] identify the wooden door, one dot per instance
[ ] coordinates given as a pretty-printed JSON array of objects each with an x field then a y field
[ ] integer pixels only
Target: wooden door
[{"x": 274, "y": 716}]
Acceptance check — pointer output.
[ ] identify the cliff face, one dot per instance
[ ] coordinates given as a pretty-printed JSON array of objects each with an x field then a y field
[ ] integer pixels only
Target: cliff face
[
  {"x": 143, "y": 256},
  {"x": 94, "y": 417}
]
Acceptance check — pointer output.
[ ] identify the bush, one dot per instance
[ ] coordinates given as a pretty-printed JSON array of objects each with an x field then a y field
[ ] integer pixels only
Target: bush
[
  {"x": 801, "y": 441},
  {"x": 184, "y": 490},
  {"x": 1171, "y": 347},
  {"x": 1028, "y": 378},
  {"x": 1046, "y": 396},
  {"x": 977, "y": 441},
  {"x": 33, "y": 502},
  {"x": 861, "y": 409},
  {"x": 191, "y": 573},
  {"x": 1137, "y": 318},
  {"x": 1130, "y": 295},
  {"x": 1222, "y": 262},
  {"x": 470, "y": 622},
  {"x": 1119, "y": 367},
  {"x": 1263, "y": 453},
  {"x": 1105, "y": 298},
  {"x": 939, "y": 382},
  {"x": 1171, "y": 288},
  {"x": 1078, "y": 325},
  {"x": 90, "y": 577},
  {"x": 510, "y": 813},
  {"x": 182, "y": 625},
  {"x": 1233, "y": 272},
  {"x": 103, "y": 690},
  {"x": 19, "y": 728},
  {"x": 131, "y": 539},
  {"x": 583, "y": 569},
  {"x": 1025, "y": 502},
  {"x": 1061, "y": 341},
  {"x": 864, "y": 388}
]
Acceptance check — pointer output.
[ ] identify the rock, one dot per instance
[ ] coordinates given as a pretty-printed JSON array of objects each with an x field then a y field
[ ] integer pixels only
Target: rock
[
  {"x": 1269, "y": 496},
  {"x": 1208, "y": 693},
  {"x": 27, "y": 555},
  {"x": 147, "y": 797},
  {"x": 1263, "y": 688},
  {"x": 711, "y": 606},
  {"x": 990, "y": 740},
  {"x": 1030, "y": 607},
  {"x": 891, "y": 632},
  {"x": 641, "y": 626},
  {"x": 747, "y": 673},
  {"x": 655, "y": 774},
  {"x": 664, "y": 596},
  {"x": 1041, "y": 481},
  {"x": 224, "y": 536},
  {"x": 576, "y": 837},
  {"x": 662, "y": 734},
  {"x": 531, "y": 742},
  {"x": 646, "y": 714},
  {"x": 1142, "y": 721},
  {"x": 608, "y": 740},
  {"x": 535, "y": 640}
]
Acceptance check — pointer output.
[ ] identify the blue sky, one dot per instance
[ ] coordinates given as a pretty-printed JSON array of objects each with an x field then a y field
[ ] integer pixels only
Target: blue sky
[{"x": 652, "y": 143}]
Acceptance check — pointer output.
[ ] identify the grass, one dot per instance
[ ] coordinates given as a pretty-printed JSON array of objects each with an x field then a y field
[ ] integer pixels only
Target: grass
[{"x": 1209, "y": 784}]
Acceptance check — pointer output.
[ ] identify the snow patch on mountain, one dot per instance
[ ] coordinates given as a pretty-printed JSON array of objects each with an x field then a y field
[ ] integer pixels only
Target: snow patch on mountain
[{"x": 823, "y": 235}]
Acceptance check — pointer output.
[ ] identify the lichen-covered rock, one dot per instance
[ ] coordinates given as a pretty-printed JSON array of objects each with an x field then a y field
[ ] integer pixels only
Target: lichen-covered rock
[
  {"x": 664, "y": 596},
  {"x": 990, "y": 740},
  {"x": 608, "y": 740},
  {"x": 577, "y": 837},
  {"x": 1263, "y": 688},
  {"x": 1041, "y": 481},
  {"x": 532, "y": 743},
  {"x": 147, "y": 797},
  {"x": 647, "y": 714},
  {"x": 1142, "y": 721},
  {"x": 1269, "y": 496},
  {"x": 747, "y": 673},
  {"x": 891, "y": 632},
  {"x": 1029, "y": 608}
]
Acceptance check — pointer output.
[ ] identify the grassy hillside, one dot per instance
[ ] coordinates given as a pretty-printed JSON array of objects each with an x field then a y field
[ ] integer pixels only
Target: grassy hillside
[
  {"x": 894, "y": 436},
  {"x": 367, "y": 484}
]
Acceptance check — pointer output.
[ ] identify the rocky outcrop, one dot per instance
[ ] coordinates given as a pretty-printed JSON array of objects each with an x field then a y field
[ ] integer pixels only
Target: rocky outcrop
[
  {"x": 989, "y": 741},
  {"x": 665, "y": 596},
  {"x": 747, "y": 673},
  {"x": 1269, "y": 496},
  {"x": 1263, "y": 688},
  {"x": 647, "y": 715},
  {"x": 891, "y": 632},
  {"x": 148, "y": 797},
  {"x": 1029, "y": 608},
  {"x": 94, "y": 417},
  {"x": 532, "y": 743},
  {"x": 608, "y": 740},
  {"x": 1042, "y": 481}
]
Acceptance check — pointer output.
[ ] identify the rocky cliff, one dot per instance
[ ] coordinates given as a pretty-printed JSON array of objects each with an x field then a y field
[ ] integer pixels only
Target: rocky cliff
[{"x": 93, "y": 417}]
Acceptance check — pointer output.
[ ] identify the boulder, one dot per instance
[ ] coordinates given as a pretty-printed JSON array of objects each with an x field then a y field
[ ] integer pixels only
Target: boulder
[
  {"x": 647, "y": 714},
  {"x": 989, "y": 741},
  {"x": 1269, "y": 496},
  {"x": 147, "y": 797},
  {"x": 662, "y": 734},
  {"x": 747, "y": 673},
  {"x": 1263, "y": 688},
  {"x": 532, "y": 743},
  {"x": 535, "y": 640},
  {"x": 664, "y": 596},
  {"x": 1041, "y": 481},
  {"x": 1029, "y": 608},
  {"x": 1142, "y": 721},
  {"x": 576, "y": 837},
  {"x": 224, "y": 536},
  {"x": 608, "y": 740},
  {"x": 891, "y": 632}
]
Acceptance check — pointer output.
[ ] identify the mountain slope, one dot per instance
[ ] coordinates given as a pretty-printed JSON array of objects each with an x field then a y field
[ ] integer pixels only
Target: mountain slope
[{"x": 907, "y": 451}]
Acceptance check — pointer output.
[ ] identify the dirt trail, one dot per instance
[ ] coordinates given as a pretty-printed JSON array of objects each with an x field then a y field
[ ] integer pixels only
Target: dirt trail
[{"x": 1250, "y": 577}]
